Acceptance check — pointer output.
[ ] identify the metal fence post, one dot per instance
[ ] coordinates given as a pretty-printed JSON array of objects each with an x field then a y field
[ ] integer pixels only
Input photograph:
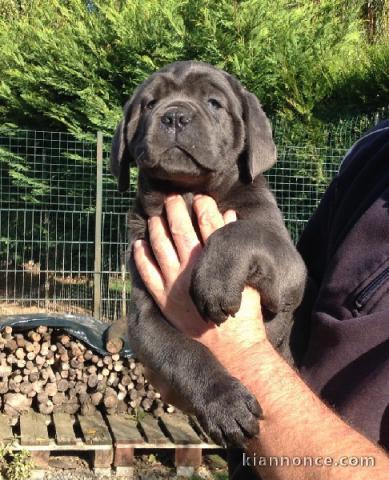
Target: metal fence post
[
  {"x": 124, "y": 289},
  {"x": 98, "y": 222}
]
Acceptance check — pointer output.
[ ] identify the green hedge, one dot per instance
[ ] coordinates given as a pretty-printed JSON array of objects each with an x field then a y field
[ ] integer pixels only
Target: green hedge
[{"x": 70, "y": 65}]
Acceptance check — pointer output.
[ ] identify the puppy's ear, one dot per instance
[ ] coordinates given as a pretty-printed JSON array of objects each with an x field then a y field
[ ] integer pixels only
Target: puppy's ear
[
  {"x": 260, "y": 152},
  {"x": 121, "y": 159}
]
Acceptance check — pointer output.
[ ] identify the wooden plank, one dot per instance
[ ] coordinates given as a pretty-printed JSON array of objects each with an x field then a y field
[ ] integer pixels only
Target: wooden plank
[
  {"x": 54, "y": 447},
  {"x": 188, "y": 457},
  {"x": 94, "y": 429},
  {"x": 33, "y": 429},
  {"x": 203, "y": 435},
  {"x": 40, "y": 459},
  {"x": 102, "y": 459},
  {"x": 6, "y": 434},
  {"x": 64, "y": 432},
  {"x": 179, "y": 429},
  {"x": 153, "y": 431},
  {"x": 124, "y": 456},
  {"x": 124, "y": 430}
]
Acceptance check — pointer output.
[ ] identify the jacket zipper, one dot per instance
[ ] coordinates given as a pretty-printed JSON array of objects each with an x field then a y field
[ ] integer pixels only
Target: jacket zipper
[{"x": 371, "y": 288}]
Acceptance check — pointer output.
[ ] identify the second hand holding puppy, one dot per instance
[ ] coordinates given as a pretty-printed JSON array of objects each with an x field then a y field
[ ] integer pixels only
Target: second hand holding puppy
[{"x": 166, "y": 270}]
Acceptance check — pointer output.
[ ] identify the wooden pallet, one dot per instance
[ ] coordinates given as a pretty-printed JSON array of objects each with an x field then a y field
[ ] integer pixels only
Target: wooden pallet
[
  {"x": 110, "y": 439},
  {"x": 43, "y": 434},
  {"x": 169, "y": 432}
]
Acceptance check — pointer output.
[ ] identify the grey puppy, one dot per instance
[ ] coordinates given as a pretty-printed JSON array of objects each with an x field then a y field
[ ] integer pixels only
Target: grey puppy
[{"x": 191, "y": 128}]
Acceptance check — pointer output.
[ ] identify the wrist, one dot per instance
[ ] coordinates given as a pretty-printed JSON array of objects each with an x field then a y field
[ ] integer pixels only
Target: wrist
[
  {"x": 240, "y": 355},
  {"x": 248, "y": 362}
]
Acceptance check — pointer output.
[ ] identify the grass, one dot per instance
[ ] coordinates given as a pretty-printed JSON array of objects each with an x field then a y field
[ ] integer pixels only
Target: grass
[
  {"x": 15, "y": 464},
  {"x": 117, "y": 284}
]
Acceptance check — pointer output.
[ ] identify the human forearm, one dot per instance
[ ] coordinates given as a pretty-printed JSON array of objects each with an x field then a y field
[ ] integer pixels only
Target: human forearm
[{"x": 297, "y": 424}]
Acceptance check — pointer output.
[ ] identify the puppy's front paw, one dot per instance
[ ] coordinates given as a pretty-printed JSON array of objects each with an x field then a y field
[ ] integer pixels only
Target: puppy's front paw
[
  {"x": 215, "y": 300},
  {"x": 229, "y": 413},
  {"x": 218, "y": 279}
]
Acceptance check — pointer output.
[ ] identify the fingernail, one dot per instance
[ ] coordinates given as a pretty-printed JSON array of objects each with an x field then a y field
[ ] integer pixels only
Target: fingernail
[
  {"x": 173, "y": 196},
  {"x": 138, "y": 243}
]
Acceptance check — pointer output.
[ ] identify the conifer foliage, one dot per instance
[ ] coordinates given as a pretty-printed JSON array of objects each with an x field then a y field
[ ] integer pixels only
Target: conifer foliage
[{"x": 70, "y": 64}]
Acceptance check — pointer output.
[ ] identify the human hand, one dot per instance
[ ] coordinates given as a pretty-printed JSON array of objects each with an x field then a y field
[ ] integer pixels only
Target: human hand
[{"x": 166, "y": 268}]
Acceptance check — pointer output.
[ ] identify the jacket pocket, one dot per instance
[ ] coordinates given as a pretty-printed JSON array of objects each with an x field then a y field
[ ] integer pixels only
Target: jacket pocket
[{"x": 369, "y": 295}]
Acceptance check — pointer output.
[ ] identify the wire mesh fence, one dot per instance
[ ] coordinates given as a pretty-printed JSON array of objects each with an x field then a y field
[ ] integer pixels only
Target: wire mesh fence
[
  {"x": 47, "y": 227},
  {"x": 50, "y": 206}
]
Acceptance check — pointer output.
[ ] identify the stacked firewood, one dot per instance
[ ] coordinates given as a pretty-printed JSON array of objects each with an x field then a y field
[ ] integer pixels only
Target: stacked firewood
[{"x": 49, "y": 371}]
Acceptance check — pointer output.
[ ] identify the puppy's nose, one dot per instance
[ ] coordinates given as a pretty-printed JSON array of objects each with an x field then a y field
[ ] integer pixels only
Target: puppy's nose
[{"x": 176, "y": 119}]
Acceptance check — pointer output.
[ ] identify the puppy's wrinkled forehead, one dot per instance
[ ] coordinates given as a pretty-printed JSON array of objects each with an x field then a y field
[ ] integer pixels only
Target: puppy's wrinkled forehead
[{"x": 191, "y": 80}]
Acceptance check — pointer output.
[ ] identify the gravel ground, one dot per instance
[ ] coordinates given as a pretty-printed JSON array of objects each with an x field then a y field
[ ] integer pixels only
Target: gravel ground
[
  {"x": 146, "y": 467},
  {"x": 74, "y": 475},
  {"x": 70, "y": 468},
  {"x": 156, "y": 474}
]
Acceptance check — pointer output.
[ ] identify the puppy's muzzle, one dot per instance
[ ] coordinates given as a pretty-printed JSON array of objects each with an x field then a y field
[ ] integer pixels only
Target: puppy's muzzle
[{"x": 176, "y": 119}]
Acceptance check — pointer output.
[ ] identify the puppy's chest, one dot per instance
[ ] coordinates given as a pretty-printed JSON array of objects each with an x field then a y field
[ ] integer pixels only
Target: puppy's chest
[{"x": 150, "y": 206}]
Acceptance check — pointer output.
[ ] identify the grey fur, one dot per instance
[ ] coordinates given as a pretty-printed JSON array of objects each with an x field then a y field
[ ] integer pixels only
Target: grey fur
[{"x": 192, "y": 128}]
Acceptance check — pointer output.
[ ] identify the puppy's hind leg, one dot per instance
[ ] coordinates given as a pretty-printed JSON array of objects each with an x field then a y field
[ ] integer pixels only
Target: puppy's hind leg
[{"x": 224, "y": 407}]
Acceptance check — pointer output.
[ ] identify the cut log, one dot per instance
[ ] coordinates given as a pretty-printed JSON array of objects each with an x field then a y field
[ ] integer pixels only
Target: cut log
[
  {"x": 62, "y": 375},
  {"x": 16, "y": 403}
]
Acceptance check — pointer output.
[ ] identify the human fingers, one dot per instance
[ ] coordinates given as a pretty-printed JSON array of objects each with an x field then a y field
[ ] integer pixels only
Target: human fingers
[
  {"x": 181, "y": 228},
  {"x": 163, "y": 248},
  {"x": 229, "y": 216},
  {"x": 208, "y": 216},
  {"x": 149, "y": 270}
]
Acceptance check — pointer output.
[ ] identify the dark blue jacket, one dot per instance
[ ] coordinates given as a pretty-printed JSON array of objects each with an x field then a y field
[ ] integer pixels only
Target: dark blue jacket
[
  {"x": 346, "y": 248},
  {"x": 343, "y": 323}
]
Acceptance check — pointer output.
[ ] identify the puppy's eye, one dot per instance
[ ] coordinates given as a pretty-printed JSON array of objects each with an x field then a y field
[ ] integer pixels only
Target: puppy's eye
[
  {"x": 150, "y": 105},
  {"x": 212, "y": 102}
]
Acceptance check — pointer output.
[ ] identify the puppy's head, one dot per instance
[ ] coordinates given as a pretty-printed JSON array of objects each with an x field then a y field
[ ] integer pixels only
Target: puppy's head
[{"x": 190, "y": 122}]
